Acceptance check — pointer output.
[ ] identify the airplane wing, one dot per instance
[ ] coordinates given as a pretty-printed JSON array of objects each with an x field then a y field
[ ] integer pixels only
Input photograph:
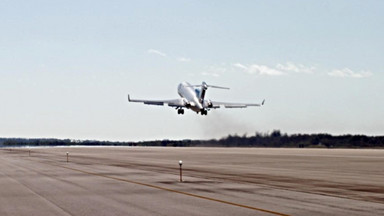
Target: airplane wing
[
  {"x": 234, "y": 105},
  {"x": 173, "y": 103}
]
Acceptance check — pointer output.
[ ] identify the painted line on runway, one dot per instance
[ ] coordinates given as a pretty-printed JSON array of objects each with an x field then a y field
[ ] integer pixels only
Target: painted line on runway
[
  {"x": 175, "y": 191},
  {"x": 169, "y": 190}
]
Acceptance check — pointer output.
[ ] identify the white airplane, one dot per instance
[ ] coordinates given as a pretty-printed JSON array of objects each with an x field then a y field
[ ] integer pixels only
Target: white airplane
[{"x": 193, "y": 98}]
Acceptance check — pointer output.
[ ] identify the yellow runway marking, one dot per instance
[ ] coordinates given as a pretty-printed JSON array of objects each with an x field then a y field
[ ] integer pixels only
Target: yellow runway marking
[{"x": 176, "y": 191}]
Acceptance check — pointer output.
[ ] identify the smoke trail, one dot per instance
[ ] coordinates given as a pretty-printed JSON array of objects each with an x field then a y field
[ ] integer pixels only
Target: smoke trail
[{"x": 218, "y": 125}]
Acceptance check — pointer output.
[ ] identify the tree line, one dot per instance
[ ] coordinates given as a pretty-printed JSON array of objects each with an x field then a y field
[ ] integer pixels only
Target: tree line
[{"x": 275, "y": 139}]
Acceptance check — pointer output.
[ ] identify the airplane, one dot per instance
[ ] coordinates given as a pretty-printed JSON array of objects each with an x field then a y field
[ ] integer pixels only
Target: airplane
[{"x": 194, "y": 98}]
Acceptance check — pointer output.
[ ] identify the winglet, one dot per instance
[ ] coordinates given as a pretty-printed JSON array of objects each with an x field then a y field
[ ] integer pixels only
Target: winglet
[
  {"x": 129, "y": 98},
  {"x": 262, "y": 103}
]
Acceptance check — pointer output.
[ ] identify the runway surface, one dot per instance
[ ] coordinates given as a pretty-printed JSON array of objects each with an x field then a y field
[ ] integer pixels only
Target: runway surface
[{"x": 216, "y": 181}]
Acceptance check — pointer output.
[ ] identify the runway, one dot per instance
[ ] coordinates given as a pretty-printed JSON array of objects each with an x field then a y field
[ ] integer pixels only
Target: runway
[{"x": 216, "y": 181}]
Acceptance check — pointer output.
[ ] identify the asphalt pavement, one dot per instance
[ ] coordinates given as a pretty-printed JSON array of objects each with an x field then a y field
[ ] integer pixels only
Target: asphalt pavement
[{"x": 216, "y": 181}]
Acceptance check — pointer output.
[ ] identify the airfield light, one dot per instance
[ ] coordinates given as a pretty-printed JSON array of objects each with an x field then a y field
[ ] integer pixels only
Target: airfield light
[
  {"x": 67, "y": 156},
  {"x": 181, "y": 170}
]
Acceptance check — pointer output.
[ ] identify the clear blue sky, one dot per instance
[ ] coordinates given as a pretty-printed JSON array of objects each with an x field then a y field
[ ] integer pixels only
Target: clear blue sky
[{"x": 66, "y": 67}]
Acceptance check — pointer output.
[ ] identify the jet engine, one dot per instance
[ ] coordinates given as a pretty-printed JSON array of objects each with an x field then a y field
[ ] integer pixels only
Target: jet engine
[
  {"x": 208, "y": 104},
  {"x": 186, "y": 103}
]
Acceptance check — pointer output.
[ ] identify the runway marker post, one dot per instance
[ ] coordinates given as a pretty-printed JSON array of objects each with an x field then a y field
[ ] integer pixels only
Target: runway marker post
[
  {"x": 67, "y": 156},
  {"x": 181, "y": 170}
]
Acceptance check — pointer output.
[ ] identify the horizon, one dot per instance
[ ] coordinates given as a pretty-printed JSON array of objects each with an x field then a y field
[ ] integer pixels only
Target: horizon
[
  {"x": 67, "y": 67},
  {"x": 224, "y": 137}
]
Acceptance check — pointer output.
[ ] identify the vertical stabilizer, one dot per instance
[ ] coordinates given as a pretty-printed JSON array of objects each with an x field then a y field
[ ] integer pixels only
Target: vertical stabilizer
[{"x": 204, "y": 88}]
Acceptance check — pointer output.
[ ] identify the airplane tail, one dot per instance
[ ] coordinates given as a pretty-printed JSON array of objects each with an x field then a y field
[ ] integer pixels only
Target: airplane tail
[{"x": 204, "y": 87}]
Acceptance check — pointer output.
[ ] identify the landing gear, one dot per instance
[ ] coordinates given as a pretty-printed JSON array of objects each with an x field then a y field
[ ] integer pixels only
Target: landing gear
[
  {"x": 180, "y": 111},
  {"x": 204, "y": 112}
]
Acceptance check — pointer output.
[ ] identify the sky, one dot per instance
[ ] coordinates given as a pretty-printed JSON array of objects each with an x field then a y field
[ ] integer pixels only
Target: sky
[{"x": 66, "y": 67}]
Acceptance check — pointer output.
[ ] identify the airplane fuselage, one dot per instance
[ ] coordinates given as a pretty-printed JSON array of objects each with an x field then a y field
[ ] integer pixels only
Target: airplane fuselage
[{"x": 191, "y": 96}]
